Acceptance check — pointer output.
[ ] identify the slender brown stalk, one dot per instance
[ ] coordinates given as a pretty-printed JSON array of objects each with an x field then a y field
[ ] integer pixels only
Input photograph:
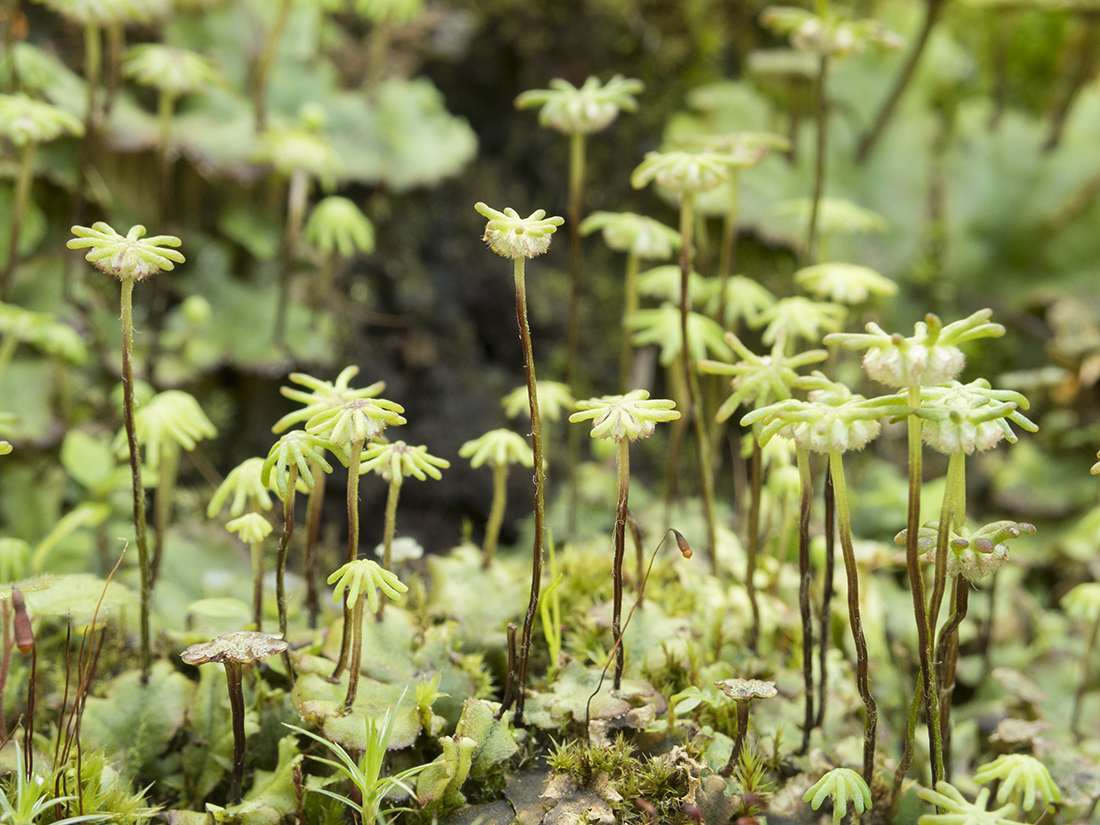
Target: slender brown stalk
[
  {"x": 825, "y": 614},
  {"x": 620, "y": 550},
  {"x": 947, "y": 650},
  {"x": 280, "y": 561},
  {"x": 804, "y": 594},
  {"x": 236, "y": 709},
  {"x": 356, "y": 653},
  {"x": 539, "y": 481},
  {"x": 510, "y": 678}
]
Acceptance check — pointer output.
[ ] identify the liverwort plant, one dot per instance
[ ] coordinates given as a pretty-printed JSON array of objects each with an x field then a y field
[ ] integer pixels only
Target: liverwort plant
[
  {"x": 640, "y": 238},
  {"x": 511, "y": 236},
  {"x": 252, "y": 528},
  {"x": 394, "y": 462},
  {"x": 579, "y": 112},
  {"x": 930, "y": 357},
  {"x": 234, "y": 651},
  {"x": 25, "y": 123},
  {"x": 622, "y": 419},
  {"x": 131, "y": 258},
  {"x": 841, "y": 785},
  {"x": 1023, "y": 779},
  {"x": 349, "y": 427},
  {"x": 743, "y": 692},
  {"x": 499, "y": 449},
  {"x": 336, "y": 227},
  {"x": 362, "y": 578},
  {"x": 757, "y": 380},
  {"x": 321, "y": 396},
  {"x": 165, "y": 424},
  {"x": 832, "y": 421},
  {"x": 687, "y": 174},
  {"x": 289, "y": 465}
]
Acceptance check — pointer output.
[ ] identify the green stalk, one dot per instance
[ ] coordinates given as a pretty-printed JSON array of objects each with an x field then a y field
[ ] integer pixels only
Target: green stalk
[
  {"x": 257, "y": 549},
  {"x": 22, "y": 195},
  {"x": 623, "y": 465},
  {"x": 356, "y": 653},
  {"x": 280, "y": 561},
  {"x": 354, "y": 457},
  {"x": 916, "y": 587},
  {"x": 803, "y": 460},
  {"x": 819, "y": 162},
  {"x": 947, "y": 649},
  {"x": 630, "y": 288},
  {"x": 135, "y": 468},
  {"x": 952, "y": 513},
  {"x": 496, "y": 514},
  {"x": 539, "y": 480},
  {"x": 166, "y": 106},
  {"x": 727, "y": 256},
  {"x": 389, "y": 531},
  {"x": 266, "y": 63},
  {"x": 296, "y": 202},
  {"x": 840, "y": 491},
  {"x": 687, "y": 218},
  {"x": 576, "y": 209},
  {"x": 907, "y": 754}
]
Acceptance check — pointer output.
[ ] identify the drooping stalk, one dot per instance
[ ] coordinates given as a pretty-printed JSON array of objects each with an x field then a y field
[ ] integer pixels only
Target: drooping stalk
[
  {"x": 354, "y": 456},
  {"x": 819, "y": 160},
  {"x": 803, "y": 460},
  {"x": 916, "y": 585},
  {"x": 138, "y": 492},
  {"x": 280, "y": 561},
  {"x": 496, "y": 514},
  {"x": 539, "y": 480},
  {"x": 706, "y": 475},
  {"x": 623, "y": 464},
  {"x": 313, "y": 529},
  {"x": 265, "y": 64},
  {"x": 825, "y": 619},
  {"x": 840, "y": 489},
  {"x": 22, "y": 196}
]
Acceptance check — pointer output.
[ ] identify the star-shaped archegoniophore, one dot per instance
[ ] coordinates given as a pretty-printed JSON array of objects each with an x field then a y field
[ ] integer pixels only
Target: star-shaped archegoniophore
[
  {"x": 829, "y": 33},
  {"x": 25, "y": 120},
  {"x": 337, "y": 225},
  {"x": 1023, "y": 778},
  {"x": 633, "y": 416},
  {"x": 834, "y": 421},
  {"x": 171, "y": 70},
  {"x": 683, "y": 172},
  {"x": 745, "y": 300},
  {"x": 929, "y": 357},
  {"x": 511, "y": 236},
  {"x": 498, "y": 448},
  {"x": 554, "y": 399},
  {"x": 662, "y": 326},
  {"x": 300, "y": 148},
  {"x": 296, "y": 448},
  {"x": 955, "y": 810},
  {"x": 251, "y": 528},
  {"x": 843, "y": 283},
  {"x": 841, "y": 785},
  {"x": 968, "y": 417},
  {"x": 971, "y": 554},
  {"x": 366, "y": 577},
  {"x": 324, "y": 395},
  {"x": 129, "y": 256},
  {"x": 397, "y": 460},
  {"x": 634, "y": 234},
  {"x": 168, "y": 421},
  {"x": 801, "y": 317},
  {"x": 245, "y": 483},
  {"x": 590, "y": 108},
  {"x": 357, "y": 421},
  {"x": 760, "y": 379}
]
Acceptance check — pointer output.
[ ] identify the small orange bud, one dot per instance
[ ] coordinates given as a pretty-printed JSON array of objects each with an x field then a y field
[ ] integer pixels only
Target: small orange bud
[{"x": 682, "y": 543}]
